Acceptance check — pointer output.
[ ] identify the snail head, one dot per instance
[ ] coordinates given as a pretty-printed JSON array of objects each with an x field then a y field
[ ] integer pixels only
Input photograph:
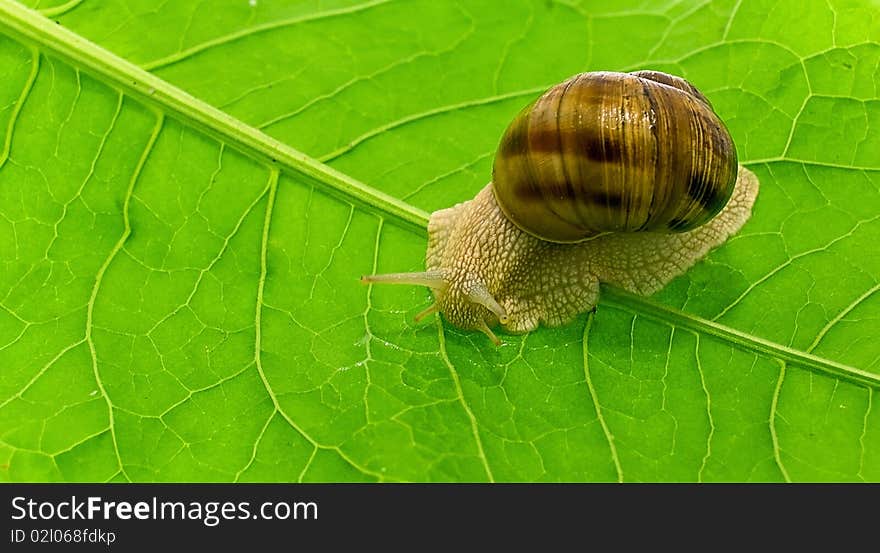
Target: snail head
[{"x": 466, "y": 303}]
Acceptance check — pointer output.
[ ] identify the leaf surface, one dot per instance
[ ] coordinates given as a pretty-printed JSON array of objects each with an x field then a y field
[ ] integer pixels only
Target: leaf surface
[{"x": 178, "y": 293}]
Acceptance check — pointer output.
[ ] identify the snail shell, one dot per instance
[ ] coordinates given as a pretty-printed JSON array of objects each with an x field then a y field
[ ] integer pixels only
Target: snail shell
[
  {"x": 627, "y": 179},
  {"x": 609, "y": 152}
]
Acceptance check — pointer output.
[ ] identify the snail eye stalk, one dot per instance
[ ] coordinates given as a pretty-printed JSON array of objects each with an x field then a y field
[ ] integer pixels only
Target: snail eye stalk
[
  {"x": 480, "y": 295},
  {"x": 431, "y": 279}
]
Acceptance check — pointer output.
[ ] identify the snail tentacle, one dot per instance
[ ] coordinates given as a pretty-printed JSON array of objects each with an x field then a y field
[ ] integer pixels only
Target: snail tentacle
[
  {"x": 431, "y": 279},
  {"x": 430, "y": 310},
  {"x": 481, "y": 296},
  {"x": 484, "y": 328}
]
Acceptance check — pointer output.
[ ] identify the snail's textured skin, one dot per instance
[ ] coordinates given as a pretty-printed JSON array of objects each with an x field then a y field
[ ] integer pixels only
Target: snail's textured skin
[
  {"x": 474, "y": 245},
  {"x": 614, "y": 152},
  {"x": 623, "y": 178}
]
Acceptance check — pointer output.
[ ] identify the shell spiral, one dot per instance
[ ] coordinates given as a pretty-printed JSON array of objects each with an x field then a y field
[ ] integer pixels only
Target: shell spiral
[{"x": 607, "y": 151}]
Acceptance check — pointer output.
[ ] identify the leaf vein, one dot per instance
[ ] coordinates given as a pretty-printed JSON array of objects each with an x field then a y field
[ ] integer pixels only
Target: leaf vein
[
  {"x": 257, "y": 441},
  {"x": 457, "y": 382},
  {"x": 711, "y": 434},
  {"x": 609, "y": 437},
  {"x": 673, "y": 317},
  {"x": 843, "y": 313},
  {"x": 361, "y": 78},
  {"x": 774, "y": 437},
  {"x": 99, "y": 278},
  {"x": 257, "y": 29},
  {"x": 61, "y": 9},
  {"x": 88, "y": 176},
  {"x": 788, "y": 262},
  {"x": 16, "y": 109},
  {"x": 258, "y": 340},
  {"x": 413, "y": 117},
  {"x": 864, "y": 433}
]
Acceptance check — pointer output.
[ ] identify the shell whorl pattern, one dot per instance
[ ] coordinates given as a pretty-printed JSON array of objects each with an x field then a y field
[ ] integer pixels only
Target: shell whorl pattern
[{"x": 607, "y": 151}]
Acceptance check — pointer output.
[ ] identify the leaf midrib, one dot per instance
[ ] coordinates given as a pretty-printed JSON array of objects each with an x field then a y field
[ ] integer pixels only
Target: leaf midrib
[{"x": 29, "y": 26}]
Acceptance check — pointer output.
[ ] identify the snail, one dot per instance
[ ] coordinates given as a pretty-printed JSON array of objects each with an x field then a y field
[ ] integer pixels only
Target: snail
[{"x": 623, "y": 178}]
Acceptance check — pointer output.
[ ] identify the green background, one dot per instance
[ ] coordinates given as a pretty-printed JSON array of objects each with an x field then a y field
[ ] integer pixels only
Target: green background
[{"x": 176, "y": 307}]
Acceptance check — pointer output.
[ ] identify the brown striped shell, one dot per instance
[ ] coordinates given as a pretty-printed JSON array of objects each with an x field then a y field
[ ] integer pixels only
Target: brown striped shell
[{"x": 607, "y": 151}]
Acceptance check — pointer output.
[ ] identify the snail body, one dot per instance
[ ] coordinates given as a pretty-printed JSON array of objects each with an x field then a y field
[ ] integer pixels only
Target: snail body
[{"x": 623, "y": 178}]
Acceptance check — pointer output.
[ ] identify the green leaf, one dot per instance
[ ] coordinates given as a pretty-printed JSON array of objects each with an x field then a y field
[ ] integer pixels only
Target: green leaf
[{"x": 178, "y": 285}]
